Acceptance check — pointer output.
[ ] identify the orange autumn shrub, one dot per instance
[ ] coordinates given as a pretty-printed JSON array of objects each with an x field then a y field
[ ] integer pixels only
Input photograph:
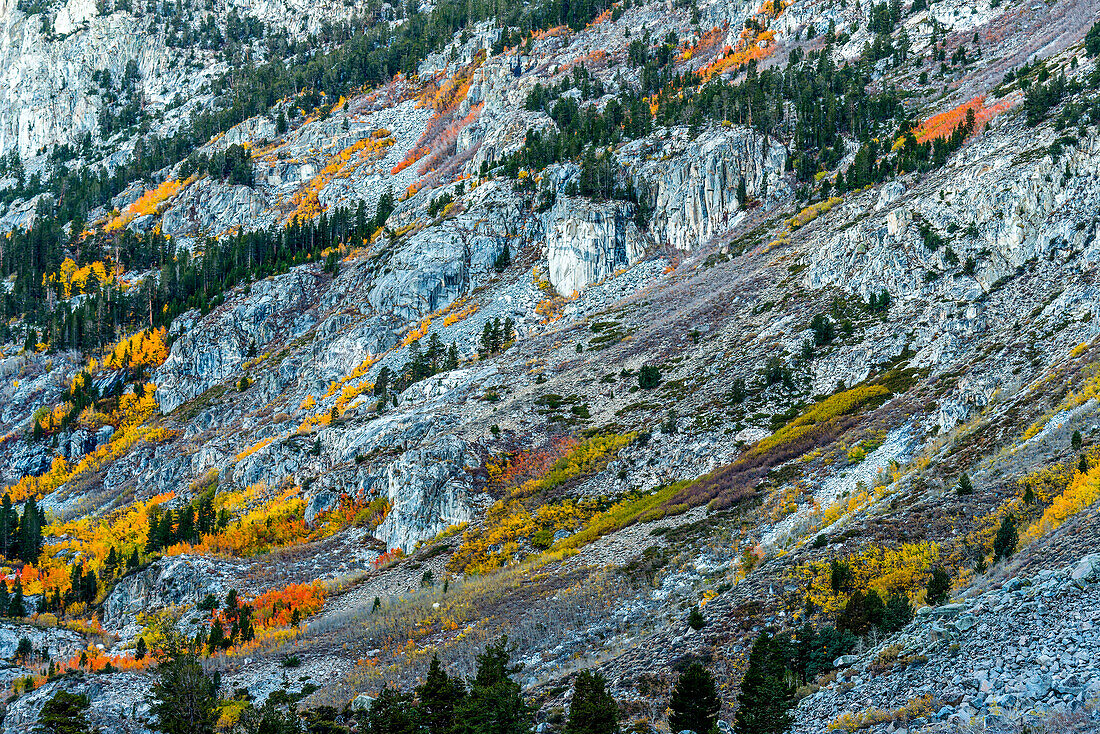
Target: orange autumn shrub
[
  {"x": 276, "y": 608},
  {"x": 944, "y": 124}
]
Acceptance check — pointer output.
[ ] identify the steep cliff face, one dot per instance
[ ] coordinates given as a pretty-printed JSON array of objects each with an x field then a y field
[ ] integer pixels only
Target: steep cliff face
[
  {"x": 588, "y": 241},
  {"x": 173, "y": 582},
  {"x": 998, "y": 206},
  {"x": 48, "y": 96},
  {"x": 217, "y": 347},
  {"x": 693, "y": 181}
]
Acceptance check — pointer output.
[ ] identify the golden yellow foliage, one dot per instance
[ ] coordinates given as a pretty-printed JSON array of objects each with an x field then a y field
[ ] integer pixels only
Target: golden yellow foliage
[
  {"x": 886, "y": 569},
  {"x": 812, "y": 212},
  {"x": 914, "y": 708},
  {"x": 1083, "y": 490},
  {"x": 147, "y": 203},
  {"x": 511, "y": 521}
]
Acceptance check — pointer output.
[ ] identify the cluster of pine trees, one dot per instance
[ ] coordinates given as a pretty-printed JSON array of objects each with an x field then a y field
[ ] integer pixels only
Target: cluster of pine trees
[
  {"x": 188, "y": 524},
  {"x": 239, "y": 618},
  {"x": 183, "y": 283},
  {"x": 21, "y": 533},
  {"x": 421, "y": 364},
  {"x": 496, "y": 336}
]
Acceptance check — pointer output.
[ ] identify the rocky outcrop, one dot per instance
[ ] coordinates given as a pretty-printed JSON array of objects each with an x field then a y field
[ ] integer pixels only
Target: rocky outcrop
[
  {"x": 216, "y": 347},
  {"x": 587, "y": 241},
  {"x": 1006, "y": 658},
  {"x": 56, "y": 642},
  {"x": 212, "y": 208},
  {"x": 995, "y": 205},
  {"x": 428, "y": 490},
  {"x": 118, "y": 703},
  {"x": 170, "y": 582},
  {"x": 692, "y": 181}
]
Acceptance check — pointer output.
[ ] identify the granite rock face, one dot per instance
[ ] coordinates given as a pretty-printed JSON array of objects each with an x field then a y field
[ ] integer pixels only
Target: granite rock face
[
  {"x": 588, "y": 241},
  {"x": 693, "y": 181}
]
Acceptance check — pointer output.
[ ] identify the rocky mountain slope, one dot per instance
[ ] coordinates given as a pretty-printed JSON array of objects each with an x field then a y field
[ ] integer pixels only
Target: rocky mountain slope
[{"x": 408, "y": 332}]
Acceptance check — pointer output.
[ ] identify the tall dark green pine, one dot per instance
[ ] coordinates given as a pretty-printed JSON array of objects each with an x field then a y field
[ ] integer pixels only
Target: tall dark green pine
[
  {"x": 151, "y": 543},
  {"x": 694, "y": 703},
  {"x": 184, "y": 697},
  {"x": 112, "y": 562},
  {"x": 30, "y": 532},
  {"x": 592, "y": 710},
  {"x": 165, "y": 529},
  {"x": 8, "y": 524},
  {"x": 16, "y": 608},
  {"x": 939, "y": 587},
  {"x": 392, "y": 713},
  {"x": 766, "y": 695},
  {"x": 495, "y": 704},
  {"x": 1004, "y": 545},
  {"x": 439, "y": 696}
]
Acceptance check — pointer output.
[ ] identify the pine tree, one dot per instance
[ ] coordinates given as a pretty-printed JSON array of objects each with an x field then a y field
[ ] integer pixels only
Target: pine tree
[
  {"x": 694, "y": 702},
  {"x": 494, "y": 704},
  {"x": 112, "y": 562},
  {"x": 392, "y": 712},
  {"x": 23, "y": 650},
  {"x": 152, "y": 540},
  {"x": 184, "y": 698},
  {"x": 140, "y": 650},
  {"x": 765, "y": 696},
  {"x": 649, "y": 377},
  {"x": 30, "y": 533},
  {"x": 485, "y": 346},
  {"x": 8, "y": 523},
  {"x": 592, "y": 710},
  {"x": 439, "y": 696},
  {"x": 964, "y": 486},
  {"x": 16, "y": 608},
  {"x": 216, "y": 639},
  {"x": 899, "y": 612},
  {"x": 939, "y": 586},
  {"x": 452, "y": 358},
  {"x": 1004, "y": 545},
  {"x": 695, "y": 618},
  {"x": 64, "y": 713}
]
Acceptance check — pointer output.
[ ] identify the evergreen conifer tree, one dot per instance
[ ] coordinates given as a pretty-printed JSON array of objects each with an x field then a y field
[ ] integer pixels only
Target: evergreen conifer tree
[
  {"x": 439, "y": 695},
  {"x": 1004, "y": 545},
  {"x": 766, "y": 695},
  {"x": 592, "y": 710},
  {"x": 964, "y": 486},
  {"x": 939, "y": 586},
  {"x": 64, "y": 713},
  {"x": 494, "y": 704},
  {"x": 694, "y": 702}
]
